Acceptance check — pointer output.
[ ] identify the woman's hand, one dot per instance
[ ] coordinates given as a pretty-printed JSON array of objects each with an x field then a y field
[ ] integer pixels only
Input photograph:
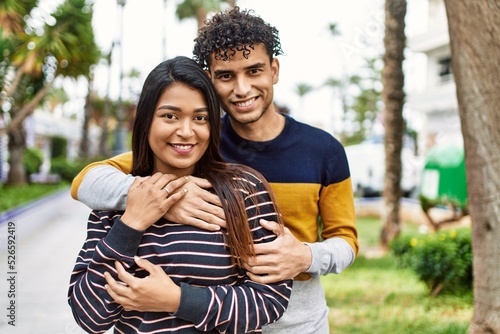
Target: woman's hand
[
  {"x": 149, "y": 198},
  {"x": 154, "y": 293}
]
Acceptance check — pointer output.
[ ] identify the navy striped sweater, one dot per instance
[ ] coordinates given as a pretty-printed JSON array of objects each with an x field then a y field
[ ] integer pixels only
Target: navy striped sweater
[{"x": 216, "y": 296}]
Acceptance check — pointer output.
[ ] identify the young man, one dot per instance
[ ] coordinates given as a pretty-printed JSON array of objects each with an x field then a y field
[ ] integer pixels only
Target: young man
[{"x": 307, "y": 169}]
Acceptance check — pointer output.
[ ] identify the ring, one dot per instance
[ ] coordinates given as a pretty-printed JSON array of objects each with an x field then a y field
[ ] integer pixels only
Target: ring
[{"x": 166, "y": 189}]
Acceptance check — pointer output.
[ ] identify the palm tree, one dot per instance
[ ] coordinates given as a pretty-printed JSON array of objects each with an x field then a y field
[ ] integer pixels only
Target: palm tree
[
  {"x": 87, "y": 114},
  {"x": 334, "y": 29},
  {"x": 393, "y": 97},
  {"x": 474, "y": 29},
  {"x": 103, "y": 140},
  {"x": 199, "y": 9},
  {"x": 65, "y": 49},
  {"x": 12, "y": 13},
  {"x": 302, "y": 89}
]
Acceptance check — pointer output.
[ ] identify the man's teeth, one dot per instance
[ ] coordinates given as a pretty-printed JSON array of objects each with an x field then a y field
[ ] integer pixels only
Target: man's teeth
[{"x": 245, "y": 104}]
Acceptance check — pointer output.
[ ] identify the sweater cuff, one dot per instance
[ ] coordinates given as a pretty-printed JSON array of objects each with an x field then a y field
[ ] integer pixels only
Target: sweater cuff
[
  {"x": 193, "y": 303},
  {"x": 330, "y": 256},
  {"x": 123, "y": 239}
]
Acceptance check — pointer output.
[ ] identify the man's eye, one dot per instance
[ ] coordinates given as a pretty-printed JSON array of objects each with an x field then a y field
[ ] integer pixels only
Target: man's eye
[{"x": 225, "y": 77}]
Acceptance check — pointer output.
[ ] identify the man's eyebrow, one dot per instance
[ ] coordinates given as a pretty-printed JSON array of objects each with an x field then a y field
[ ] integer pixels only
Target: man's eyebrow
[
  {"x": 254, "y": 66},
  {"x": 222, "y": 72},
  {"x": 251, "y": 67}
]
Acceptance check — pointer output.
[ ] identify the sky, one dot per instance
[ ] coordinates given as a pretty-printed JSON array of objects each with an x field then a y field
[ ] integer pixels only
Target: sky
[{"x": 312, "y": 54}]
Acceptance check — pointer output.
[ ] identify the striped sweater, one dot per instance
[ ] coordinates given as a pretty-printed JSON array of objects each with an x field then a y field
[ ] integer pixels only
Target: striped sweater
[{"x": 216, "y": 296}]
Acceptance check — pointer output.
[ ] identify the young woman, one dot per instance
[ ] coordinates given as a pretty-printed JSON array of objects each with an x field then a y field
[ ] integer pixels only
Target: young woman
[{"x": 203, "y": 284}]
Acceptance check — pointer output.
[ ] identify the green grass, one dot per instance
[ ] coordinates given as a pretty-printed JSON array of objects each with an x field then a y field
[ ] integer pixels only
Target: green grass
[
  {"x": 11, "y": 197},
  {"x": 375, "y": 296}
]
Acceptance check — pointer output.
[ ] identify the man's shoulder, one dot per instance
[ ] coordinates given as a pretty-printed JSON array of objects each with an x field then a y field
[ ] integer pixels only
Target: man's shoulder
[{"x": 312, "y": 133}]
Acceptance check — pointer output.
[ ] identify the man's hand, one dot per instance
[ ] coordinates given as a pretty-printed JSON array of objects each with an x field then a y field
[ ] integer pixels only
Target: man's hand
[
  {"x": 150, "y": 197},
  {"x": 283, "y": 258},
  {"x": 154, "y": 293},
  {"x": 199, "y": 207}
]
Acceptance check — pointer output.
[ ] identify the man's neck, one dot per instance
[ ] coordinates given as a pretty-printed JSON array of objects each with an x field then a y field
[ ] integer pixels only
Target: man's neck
[{"x": 266, "y": 128}]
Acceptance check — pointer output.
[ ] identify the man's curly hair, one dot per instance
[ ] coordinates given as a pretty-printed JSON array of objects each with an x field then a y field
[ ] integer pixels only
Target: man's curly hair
[{"x": 231, "y": 31}]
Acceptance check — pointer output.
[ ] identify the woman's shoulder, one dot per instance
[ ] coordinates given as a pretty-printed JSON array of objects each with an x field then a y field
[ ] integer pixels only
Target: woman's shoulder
[
  {"x": 104, "y": 215},
  {"x": 246, "y": 173}
]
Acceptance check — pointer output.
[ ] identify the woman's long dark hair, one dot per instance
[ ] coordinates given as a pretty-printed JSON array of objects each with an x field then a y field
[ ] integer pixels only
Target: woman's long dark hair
[{"x": 225, "y": 178}]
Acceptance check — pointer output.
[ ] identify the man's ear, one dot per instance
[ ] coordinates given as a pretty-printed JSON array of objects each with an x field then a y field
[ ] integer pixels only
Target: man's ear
[
  {"x": 207, "y": 72},
  {"x": 275, "y": 68}
]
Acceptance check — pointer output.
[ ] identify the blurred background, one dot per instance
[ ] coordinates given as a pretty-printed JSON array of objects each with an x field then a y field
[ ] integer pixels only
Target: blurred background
[
  {"x": 71, "y": 72},
  {"x": 330, "y": 77}
]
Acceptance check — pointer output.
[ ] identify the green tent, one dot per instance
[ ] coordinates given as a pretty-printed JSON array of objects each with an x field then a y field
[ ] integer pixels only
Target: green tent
[{"x": 443, "y": 175}]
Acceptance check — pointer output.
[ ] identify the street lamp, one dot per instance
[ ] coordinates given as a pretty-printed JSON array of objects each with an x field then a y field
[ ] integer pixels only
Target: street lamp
[{"x": 121, "y": 126}]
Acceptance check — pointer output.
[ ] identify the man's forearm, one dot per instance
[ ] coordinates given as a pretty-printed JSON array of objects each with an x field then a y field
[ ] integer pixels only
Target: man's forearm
[
  {"x": 330, "y": 256},
  {"x": 105, "y": 188}
]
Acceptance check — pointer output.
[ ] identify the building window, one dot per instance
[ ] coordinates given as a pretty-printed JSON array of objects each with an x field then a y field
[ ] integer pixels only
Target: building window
[{"x": 445, "y": 70}]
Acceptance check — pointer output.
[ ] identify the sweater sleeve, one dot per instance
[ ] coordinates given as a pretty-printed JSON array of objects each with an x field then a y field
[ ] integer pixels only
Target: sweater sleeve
[
  {"x": 93, "y": 309},
  {"x": 105, "y": 188},
  {"x": 103, "y": 185},
  {"x": 340, "y": 246},
  {"x": 330, "y": 256},
  {"x": 248, "y": 305}
]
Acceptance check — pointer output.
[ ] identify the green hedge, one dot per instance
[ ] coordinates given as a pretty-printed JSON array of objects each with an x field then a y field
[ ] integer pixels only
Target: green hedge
[
  {"x": 443, "y": 260},
  {"x": 33, "y": 160},
  {"x": 69, "y": 169}
]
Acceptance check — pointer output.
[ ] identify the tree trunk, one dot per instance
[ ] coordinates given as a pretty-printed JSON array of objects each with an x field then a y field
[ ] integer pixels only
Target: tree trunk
[
  {"x": 17, "y": 146},
  {"x": 87, "y": 114},
  {"x": 474, "y": 28},
  {"x": 27, "y": 109},
  {"x": 103, "y": 140},
  {"x": 393, "y": 96},
  {"x": 201, "y": 16}
]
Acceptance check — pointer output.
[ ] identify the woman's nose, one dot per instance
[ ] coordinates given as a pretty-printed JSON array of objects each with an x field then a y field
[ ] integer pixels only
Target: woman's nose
[{"x": 185, "y": 129}]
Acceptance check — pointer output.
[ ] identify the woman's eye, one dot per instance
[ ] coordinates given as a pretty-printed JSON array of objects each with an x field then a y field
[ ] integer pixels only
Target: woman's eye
[
  {"x": 201, "y": 118},
  {"x": 169, "y": 116}
]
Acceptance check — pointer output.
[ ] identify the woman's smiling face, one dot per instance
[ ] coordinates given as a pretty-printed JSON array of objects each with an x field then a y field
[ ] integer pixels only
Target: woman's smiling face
[{"x": 180, "y": 130}]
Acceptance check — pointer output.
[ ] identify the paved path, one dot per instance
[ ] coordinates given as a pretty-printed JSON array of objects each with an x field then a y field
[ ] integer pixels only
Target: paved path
[{"x": 48, "y": 239}]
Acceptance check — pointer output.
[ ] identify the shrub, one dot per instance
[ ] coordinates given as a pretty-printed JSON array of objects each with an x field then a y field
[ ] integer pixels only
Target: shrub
[
  {"x": 69, "y": 169},
  {"x": 66, "y": 169},
  {"x": 33, "y": 159},
  {"x": 443, "y": 261},
  {"x": 58, "y": 147}
]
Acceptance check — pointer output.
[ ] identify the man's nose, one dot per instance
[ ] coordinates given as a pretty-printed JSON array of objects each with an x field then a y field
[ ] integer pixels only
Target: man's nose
[{"x": 242, "y": 86}]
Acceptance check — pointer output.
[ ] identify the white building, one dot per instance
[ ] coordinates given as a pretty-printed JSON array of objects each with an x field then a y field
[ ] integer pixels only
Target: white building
[
  {"x": 41, "y": 127},
  {"x": 435, "y": 101}
]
